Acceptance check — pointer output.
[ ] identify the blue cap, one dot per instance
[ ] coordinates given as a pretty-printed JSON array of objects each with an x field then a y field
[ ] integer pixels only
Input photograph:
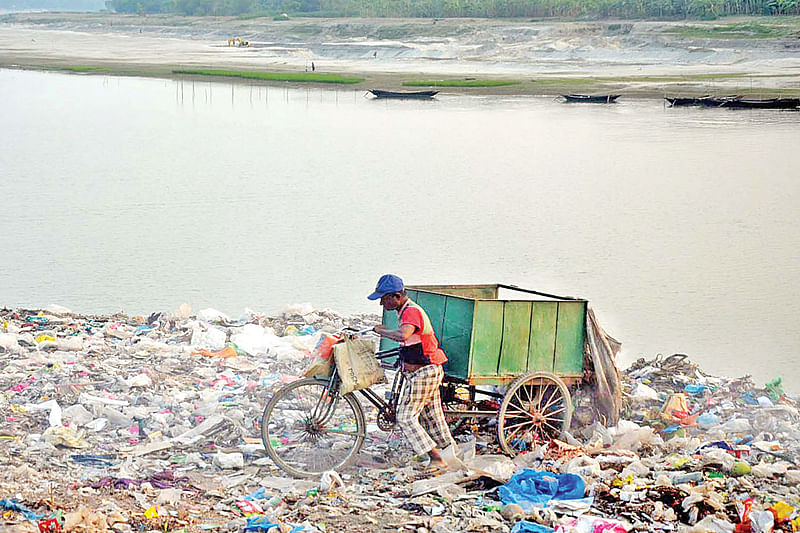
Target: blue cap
[{"x": 388, "y": 283}]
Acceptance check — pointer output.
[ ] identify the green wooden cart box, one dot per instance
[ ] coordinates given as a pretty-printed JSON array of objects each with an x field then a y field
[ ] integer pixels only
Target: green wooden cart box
[{"x": 493, "y": 334}]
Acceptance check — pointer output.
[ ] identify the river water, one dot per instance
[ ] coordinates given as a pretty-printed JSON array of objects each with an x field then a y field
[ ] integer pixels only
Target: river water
[{"x": 680, "y": 226}]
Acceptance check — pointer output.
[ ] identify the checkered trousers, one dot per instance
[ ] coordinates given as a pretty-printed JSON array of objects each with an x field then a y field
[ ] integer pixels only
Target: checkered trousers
[{"x": 420, "y": 415}]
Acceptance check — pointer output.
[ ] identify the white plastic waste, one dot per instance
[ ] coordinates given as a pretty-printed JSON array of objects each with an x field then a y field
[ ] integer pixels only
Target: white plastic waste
[
  {"x": 73, "y": 343},
  {"x": 9, "y": 342},
  {"x": 762, "y": 521},
  {"x": 212, "y": 315},
  {"x": 54, "y": 417},
  {"x": 583, "y": 466},
  {"x": 792, "y": 477},
  {"x": 330, "y": 480},
  {"x": 211, "y": 338},
  {"x": 737, "y": 425},
  {"x": 78, "y": 414},
  {"x": 714, "y": 525},
  {"x": 139, "y": 380},
  {"x": 643, "y": 392},
  {"x": 763, "y": 401},
  {"x": 255, "y": 340},
  {"x": 229, "y": 460}
]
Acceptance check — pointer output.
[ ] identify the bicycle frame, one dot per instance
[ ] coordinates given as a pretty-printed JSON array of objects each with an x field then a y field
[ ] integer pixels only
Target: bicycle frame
[
  {"x": 388, "y": 409},
  {"x": 325, "y": 407}
]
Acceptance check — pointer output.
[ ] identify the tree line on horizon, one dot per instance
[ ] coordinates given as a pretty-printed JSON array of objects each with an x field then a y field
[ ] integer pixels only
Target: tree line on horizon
[{"x": 628, "y": 9}]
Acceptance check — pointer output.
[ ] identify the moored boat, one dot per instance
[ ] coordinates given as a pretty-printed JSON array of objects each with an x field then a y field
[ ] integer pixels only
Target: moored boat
[
  {"x": 680, "y": 101},
  {"x": 735, "y": 102},
  {"x": 763, "y": 103},
  {"x": 403, "y": 94},
  {"x": 592, "y": 99}
]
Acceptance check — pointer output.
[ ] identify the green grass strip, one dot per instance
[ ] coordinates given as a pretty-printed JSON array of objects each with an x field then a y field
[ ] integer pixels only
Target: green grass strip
[
  {"x": 744, "y": 30},
  {"x": 272, "y": 76},
  {"x": 459, "y": 83},
  {"x": 82, "y": 68}
]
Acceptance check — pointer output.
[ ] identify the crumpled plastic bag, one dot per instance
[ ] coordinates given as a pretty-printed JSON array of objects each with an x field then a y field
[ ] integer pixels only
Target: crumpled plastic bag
[
  {"x": 675, "y": 408},
  {"x": 717, "y": 456},
  {"x": 65, "y": 436},
  {"x": 139, "y": 380},
  {"x": 78, "y": 414},
  {"x": 330, "y": 480},
  {"x": 762, "y": 521},
  {"x": 85, "y": 521},
  {"x": 212, "y": 315},
  {"x": 592, "y": 524},
  {"x": 628, "y": 435},
  {"x": 525, "y": 526},
  {"x": 498, "y": 467},
  {"x": 645, "y": 393},
  {"x": 54, "y": 417},
  {"x": 767, "y": 470},
  {"x": 712, "y": 524},
  {"x": 584, "y": 466},
  {"x": 255, "y": 340},
  {"x": 228, "y": 351},
  {"x": 529, "y": 487},
  {"x": 9, "y": 342},
  {"x": 212, "y": 338}
]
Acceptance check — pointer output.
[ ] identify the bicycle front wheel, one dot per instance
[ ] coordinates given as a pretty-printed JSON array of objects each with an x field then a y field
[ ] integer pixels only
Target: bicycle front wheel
[{"x": 308, "y": 430}]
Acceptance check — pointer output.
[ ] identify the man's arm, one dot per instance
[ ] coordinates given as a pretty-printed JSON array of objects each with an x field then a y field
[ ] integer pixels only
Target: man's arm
[{"x": 400, "y": 334}]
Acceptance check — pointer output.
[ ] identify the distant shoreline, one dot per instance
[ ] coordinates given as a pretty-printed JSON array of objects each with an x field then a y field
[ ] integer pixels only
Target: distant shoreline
[{"x": 641, "y": 59}]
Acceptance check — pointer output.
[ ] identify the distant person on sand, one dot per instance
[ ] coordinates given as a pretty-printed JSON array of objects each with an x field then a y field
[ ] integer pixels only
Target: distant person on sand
[
  {"x": 419, "y": 415},
  {"x": 313, "y": 68}
]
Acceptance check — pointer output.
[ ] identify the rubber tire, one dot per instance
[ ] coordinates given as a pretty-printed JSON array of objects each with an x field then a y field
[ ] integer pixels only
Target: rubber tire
[
  {"x": 352, "y": 401},
  {"x": 516, "y": 385}
]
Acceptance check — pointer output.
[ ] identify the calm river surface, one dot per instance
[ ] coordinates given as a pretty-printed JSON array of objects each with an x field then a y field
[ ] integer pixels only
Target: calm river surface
[{"x": 680, "y": 226}]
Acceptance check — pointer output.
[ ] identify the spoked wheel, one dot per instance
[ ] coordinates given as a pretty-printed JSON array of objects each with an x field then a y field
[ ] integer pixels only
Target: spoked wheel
[
  {"x": 306, "y": 430},
  {"x": 536, "y": 408}
]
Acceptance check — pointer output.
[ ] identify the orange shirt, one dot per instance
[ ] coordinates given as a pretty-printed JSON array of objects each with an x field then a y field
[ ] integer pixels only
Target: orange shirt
[{"x": 413, "y": 315}]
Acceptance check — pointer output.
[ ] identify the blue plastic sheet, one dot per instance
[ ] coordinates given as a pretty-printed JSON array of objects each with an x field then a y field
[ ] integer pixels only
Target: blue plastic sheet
[
  {"x": 748, "y": 398},
  {"x": 524, "y": 526},
  {"x": 695, "y": 390},
  {"x": 259, "y": 494},
  {"x": 530, "y": 487},
  {"x": 13, "y": 505},
  {"x": 260, "y": 523},
  {"x": 263, "y": 523}
]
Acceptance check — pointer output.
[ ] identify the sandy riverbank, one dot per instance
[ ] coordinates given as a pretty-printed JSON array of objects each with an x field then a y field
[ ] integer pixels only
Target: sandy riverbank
[{"x": 642, "y": 58}]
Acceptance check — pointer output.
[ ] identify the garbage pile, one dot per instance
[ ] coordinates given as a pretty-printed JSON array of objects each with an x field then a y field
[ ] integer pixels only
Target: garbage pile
[{"x": 128, "y": 424}]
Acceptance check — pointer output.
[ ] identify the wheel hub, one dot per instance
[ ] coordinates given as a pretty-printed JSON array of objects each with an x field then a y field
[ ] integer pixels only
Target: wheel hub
[{"x": 313, "y": 429}]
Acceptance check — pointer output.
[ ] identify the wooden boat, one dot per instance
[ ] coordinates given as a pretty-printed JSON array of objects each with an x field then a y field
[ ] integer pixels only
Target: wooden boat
[
  {"x": 762, "y": 103},
  {"x": 736, "y": 102},
  {"x": 592, "y": 99},
  {"x": 405, "y": 94},
  {"x": 687, "y": 101}
]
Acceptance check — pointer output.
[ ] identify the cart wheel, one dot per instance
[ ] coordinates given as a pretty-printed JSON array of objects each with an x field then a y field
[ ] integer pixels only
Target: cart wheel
[
  {"x": 536, "y": 408},
  {"x": 307, "y": 431}
]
